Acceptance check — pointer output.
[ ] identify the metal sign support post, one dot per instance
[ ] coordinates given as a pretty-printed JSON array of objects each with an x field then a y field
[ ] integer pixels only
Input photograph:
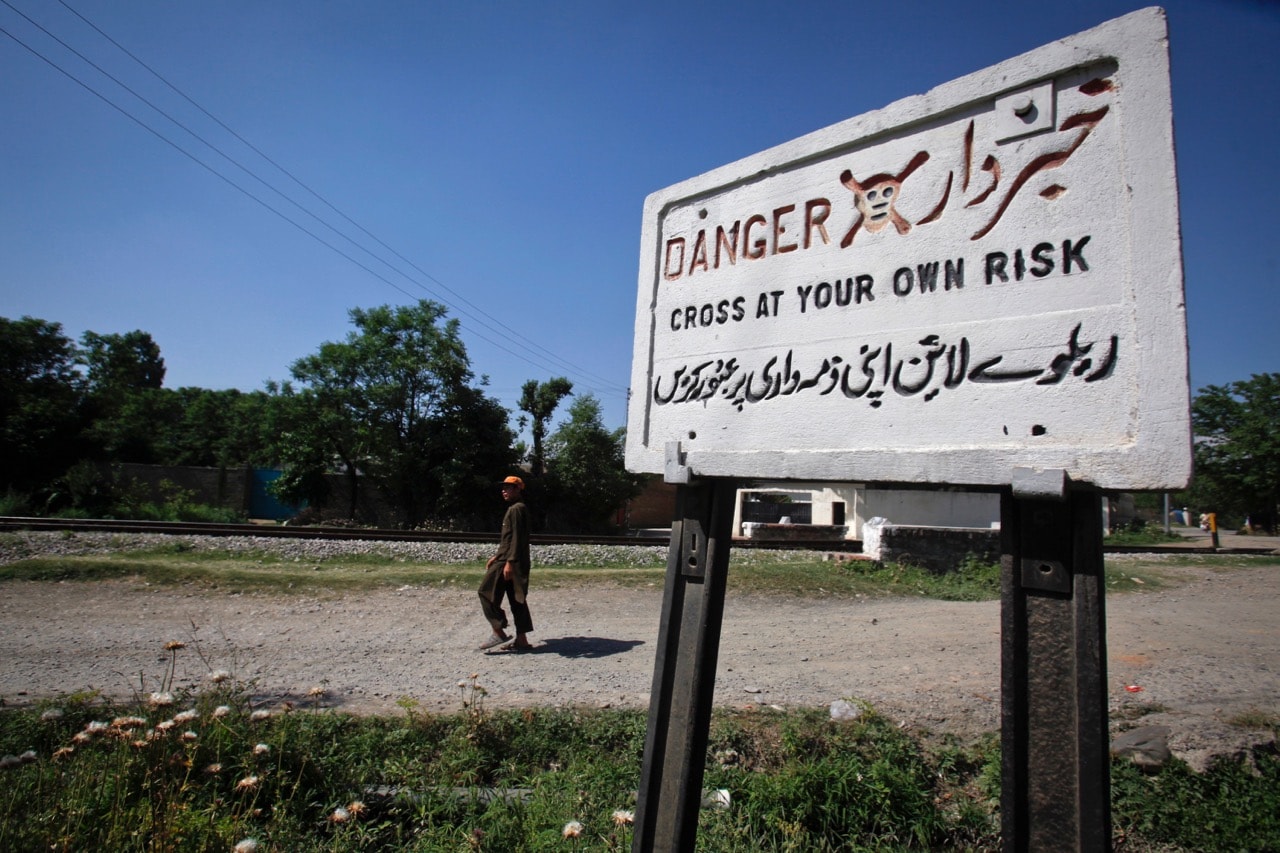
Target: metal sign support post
[
  {"x": 1054, "y": 740},
  {"x": 684, "y": 672}
]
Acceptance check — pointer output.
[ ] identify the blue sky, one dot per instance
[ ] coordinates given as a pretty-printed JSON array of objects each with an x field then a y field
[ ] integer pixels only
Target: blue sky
[{"x": 495, "y": 156}]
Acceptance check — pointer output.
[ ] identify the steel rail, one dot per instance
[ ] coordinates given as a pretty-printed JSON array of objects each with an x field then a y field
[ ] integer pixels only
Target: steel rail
[{"x": 193, "y": 528}]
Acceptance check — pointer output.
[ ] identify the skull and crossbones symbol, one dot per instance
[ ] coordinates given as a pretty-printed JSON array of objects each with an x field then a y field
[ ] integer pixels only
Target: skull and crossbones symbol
[{"x": 875, "y": 197}]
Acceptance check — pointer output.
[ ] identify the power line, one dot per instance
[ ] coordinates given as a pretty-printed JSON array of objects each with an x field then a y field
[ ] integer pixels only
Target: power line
[
  {"x": 505, "y": 329},
  {"x": 245, "y": 191},
  {"x": 479, "y": 315}
]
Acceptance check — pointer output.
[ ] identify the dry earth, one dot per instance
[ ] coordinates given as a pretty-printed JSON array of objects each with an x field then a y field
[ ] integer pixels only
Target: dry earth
[{"x": 1202, "y": 652}]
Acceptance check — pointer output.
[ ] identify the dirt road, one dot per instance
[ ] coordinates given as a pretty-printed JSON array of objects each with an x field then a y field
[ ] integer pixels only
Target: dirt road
[{"x": 1202, "y": 652}]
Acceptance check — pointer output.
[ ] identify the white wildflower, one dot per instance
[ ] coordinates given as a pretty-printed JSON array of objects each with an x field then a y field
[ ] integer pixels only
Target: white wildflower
[
  {"x": 160, "y": 700},
  {"x": 128, "y": 722},
  {"x": 572, "y": 829}
]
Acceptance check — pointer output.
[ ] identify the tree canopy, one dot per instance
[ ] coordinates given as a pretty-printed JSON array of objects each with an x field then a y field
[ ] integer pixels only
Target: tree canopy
[
  {"x": 395, "y": 401},
  {"x": 40, "y": 402},
  {"x": 394, "y": 410},
  {"x": 588, "y": 477},
  {"x": 1237, "y": 449},
  {"x": 124, "y": 406},
  {"x": 539, "y": 400}
]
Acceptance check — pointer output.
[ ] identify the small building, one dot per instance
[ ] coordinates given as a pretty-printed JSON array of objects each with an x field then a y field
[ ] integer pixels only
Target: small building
[{"x": 851, "y": 505}]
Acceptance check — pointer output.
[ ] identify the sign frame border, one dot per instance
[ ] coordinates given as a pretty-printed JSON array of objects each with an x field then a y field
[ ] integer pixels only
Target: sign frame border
[{"x": 1159, "y": 458}]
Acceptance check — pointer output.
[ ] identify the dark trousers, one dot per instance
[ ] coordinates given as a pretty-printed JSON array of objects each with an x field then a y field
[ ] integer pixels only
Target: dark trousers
[{"x": 494, "y": 613}]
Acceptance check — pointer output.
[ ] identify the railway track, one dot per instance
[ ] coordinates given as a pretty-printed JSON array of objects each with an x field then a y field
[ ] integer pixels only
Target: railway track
[{"x": 191, "y": 528}]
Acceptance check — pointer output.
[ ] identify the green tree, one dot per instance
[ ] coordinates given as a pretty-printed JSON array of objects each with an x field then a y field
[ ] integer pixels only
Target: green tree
[
  {"x": 395, "y": 403},
  {"x": 303, "y": 449},
  {"x": 588, "y": 477},
  {"x": 124, "y": 406},
  {"x": 471, "y": 450},
  {"x": 539, "y": 400},
  {"x": 121, "y": 364},
  {"x": 219, "y": 429},
  {"x": 1237, "y": 450},
  {"x": 40, "y": 403}
]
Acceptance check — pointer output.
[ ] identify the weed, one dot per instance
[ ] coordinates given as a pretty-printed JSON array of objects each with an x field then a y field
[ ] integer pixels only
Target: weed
[
  {"x": 284, "y": 566},
  {"x": 208, "y": 771},
  {"x": 1255, "y": 718},
  {"x": 1143, "y": 533},
  {"x": 1130, "y": 711},
  {"x": 1233, "y": 805}
]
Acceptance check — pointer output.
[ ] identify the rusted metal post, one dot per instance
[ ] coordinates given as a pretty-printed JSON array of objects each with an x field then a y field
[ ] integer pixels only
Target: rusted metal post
[
  {"x": 685, "y": 669},
  {"x": 1056, "y": 787}
]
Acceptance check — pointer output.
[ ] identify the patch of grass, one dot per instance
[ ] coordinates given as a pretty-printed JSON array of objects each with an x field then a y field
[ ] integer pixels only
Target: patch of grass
[
  {"x": 14, "y": 503},
  {"x": 806, "y": 573},
  {"x": 1130, "y": 711},
  {"x": 1151, "y": 572},
  {"x": 1212, "y": 562},
  {"x": 1143, "y": 534},
  {"x": 208, "y": 770},
  {"x": 1255, "y": 718},
  {"x": 240, "y": 574},
  {"x": 1130, "y": 577},
  {"x": 1233, "y": 805},
  {"x": 291, "y": 566}
]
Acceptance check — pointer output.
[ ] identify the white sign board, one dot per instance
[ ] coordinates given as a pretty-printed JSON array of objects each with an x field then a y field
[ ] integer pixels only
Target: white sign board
[{"x": 983, "y": 278}]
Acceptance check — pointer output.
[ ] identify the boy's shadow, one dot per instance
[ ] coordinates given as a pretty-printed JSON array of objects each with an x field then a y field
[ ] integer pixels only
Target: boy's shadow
[{"x": 584, "y": 647}]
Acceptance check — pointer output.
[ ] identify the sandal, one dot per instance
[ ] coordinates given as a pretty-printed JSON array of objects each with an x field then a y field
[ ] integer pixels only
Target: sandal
[{"x": 494, "y": 640}]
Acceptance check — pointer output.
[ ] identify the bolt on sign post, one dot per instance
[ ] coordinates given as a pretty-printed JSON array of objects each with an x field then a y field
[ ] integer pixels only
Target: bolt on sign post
[{"x": 980, "y": 286}]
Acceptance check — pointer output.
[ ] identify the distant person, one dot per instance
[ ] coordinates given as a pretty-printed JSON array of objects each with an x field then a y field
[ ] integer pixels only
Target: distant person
[{"x": 507, "y": 574}]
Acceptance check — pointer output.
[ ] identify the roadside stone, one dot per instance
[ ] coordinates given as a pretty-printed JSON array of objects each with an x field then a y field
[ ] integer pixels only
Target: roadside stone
[
  {"x": 845, "y": 711},
  {"x": 1146, "y": 746}
]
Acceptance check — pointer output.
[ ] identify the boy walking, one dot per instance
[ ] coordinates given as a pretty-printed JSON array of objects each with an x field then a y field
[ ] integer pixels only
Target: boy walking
[{"x": 507, "y": 573}]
